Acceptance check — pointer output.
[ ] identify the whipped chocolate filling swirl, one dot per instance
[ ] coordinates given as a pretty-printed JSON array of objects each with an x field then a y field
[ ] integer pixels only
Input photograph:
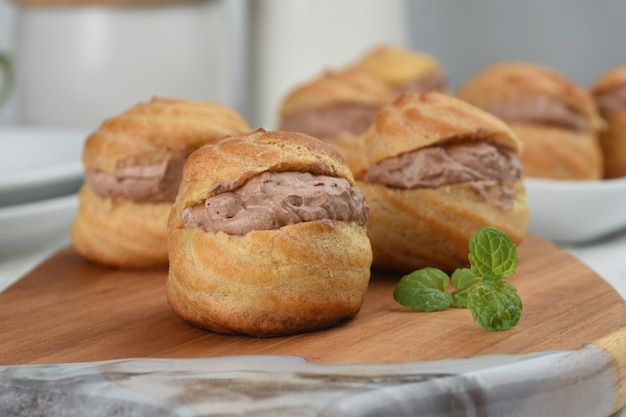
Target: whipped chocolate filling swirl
[
  {"x": 491, "y": 170},
  {"x": 612, "y": 101},
  {"x": 542, "y": 110},
  {"x": 274, "y": 199},
  {"x": 331, "y": 121},
  {"x": 145, "y": 183}
]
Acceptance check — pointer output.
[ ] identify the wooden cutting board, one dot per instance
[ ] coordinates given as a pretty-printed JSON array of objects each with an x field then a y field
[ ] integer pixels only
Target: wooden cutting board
[{"x": 68, "y": 310}]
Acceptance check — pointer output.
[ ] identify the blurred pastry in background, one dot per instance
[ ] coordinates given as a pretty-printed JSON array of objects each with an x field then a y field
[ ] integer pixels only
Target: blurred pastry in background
[
  {"x": 267, "y": 237},
  {"x": 609, "y": 92},
  {"x": 133, "y": 167},
  {"x": 403, "y": 69},
  {"x": 438, "y": 169},
  {"x": 336, "y": 107},
  {"x": 556, "y": 119},
  {"x": 339, "y": 106}
]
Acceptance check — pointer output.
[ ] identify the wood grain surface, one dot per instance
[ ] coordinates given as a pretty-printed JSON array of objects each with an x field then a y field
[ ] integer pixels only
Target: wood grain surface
[{"x": 68, "y": 310}]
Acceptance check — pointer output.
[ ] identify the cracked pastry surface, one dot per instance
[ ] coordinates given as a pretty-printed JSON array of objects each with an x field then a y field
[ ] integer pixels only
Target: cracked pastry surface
[
  {"x": 555, "y": 118},
  {"x": 437, "y": 170},
  {"x": 404, "y": 70},
  {"x": 267, "y": 237},
  {"x": 335, "y": 107},
  {"x": 133, "y": 166},
  {"x": 609, "y": 93}
]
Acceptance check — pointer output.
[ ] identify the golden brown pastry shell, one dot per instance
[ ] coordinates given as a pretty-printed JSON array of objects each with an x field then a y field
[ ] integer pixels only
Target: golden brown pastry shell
[
  {"x": 613, "y": 136},
  {"x": 415, "y": 228},
  {"x": 336, "y": 90},
  {"x": 337, "y": 87},
  {"x": 518, "y": 81},
  {"x": 549, "y": 151},
  {"x": 297, "y": 278},
  {"x": 418, "y": 120},
  {"x": 397, "y": 66},
  {"x": 228, "y": 164},
  {"x": 431, "y": 227},
  {"x": 149, "y": 132},
  {"x": 120, "y": 233},
  {"x": 613, "y": 143},
  {"x": 350, "y": 146},
  {"x": 133, "y": 234},
  {"x": 555, "y": 153},
  {"x": 609, "y": 80}
]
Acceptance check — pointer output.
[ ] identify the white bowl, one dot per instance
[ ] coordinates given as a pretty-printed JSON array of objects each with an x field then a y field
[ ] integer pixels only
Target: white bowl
[
  {"x": 28, "y": 225},
  {"x": 576, "y": 211},
  {"x": 37, "y": 163}
]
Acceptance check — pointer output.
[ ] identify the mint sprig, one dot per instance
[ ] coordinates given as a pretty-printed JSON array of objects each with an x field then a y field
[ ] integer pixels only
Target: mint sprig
[
  {"x": 493, "y": 303},
  {"x": 462, "y": 280},
  {"x": 424, "y": 290},
  {"x": 491, "y": 251}
]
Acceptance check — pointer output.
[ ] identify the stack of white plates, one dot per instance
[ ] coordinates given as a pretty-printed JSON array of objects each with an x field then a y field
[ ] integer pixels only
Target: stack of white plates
[{"x": 40, "y": 175}]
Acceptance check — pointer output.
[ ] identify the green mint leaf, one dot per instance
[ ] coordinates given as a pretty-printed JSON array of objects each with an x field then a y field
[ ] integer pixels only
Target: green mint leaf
[
  {"x": 424, "y": 290},
  {"x": 494, "y": 307},
  {"x": 493, "y": 303},
  {"x": 490, "y": 280},
  {"x": 492, "y": 251},
  {"x": 462, "y": 280}
]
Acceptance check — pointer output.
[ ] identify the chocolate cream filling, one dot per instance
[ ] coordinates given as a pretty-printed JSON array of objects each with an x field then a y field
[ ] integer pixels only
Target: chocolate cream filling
[
  {"x": 612, "y": 101},
  {"x": 541, "y": 110},
  {"x": 148, "y": 183},
  {"x": 331, "y": 121},
  {"x": 274, "y": 199},
  {"x": 491, "y": 170}
]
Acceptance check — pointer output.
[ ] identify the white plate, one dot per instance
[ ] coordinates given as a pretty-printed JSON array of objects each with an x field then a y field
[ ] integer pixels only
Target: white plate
[
  {"x": 39, "y": 162},
  {"x": 27, "y": 225},
  {"x": 576, "y": 211}
]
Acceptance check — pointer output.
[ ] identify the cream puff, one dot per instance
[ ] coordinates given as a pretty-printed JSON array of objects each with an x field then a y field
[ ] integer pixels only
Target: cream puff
[
  {"x": 555, "y": 118},
  {"x": 437, "y": 170},
  {"x": 403, "y": 69},
  {"x": 267, "y": 237},
  {"x": 609, "y": 92},
  {"x": 336, "y": 107},
  {"x": 133, "y": 166}
]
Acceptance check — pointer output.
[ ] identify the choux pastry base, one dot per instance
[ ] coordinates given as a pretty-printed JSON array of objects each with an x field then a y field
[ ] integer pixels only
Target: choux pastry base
[
  {"x": 297, "y": 278},
  {"x": 560, "y": 154},
  {"x": 120, "y": 233},
  {"x": 432, "y": 227},
  {"x": 300, "y": 278}
]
